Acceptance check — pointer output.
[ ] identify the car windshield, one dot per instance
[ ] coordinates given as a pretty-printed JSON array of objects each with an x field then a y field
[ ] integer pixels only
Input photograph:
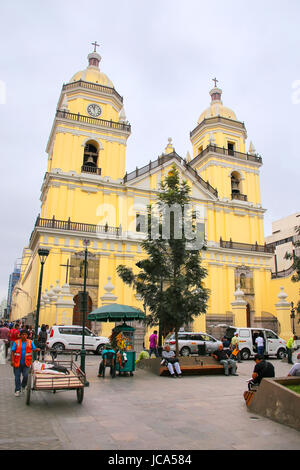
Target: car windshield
[{"x": 170, "y": 336}]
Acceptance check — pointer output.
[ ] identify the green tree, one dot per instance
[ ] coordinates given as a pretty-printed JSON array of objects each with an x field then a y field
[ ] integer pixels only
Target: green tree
[
  {"x": 170, "y": 277},
  {"x": 296, "y": 262}
]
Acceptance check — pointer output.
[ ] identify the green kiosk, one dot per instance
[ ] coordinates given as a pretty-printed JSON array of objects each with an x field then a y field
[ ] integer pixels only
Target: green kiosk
[{"x": 122, "y": 337}]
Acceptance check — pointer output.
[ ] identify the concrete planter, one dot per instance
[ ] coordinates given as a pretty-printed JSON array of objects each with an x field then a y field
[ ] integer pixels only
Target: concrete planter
[{"x": 275, "y": 401}]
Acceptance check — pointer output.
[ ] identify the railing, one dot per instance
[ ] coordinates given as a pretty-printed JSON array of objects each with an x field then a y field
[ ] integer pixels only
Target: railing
[
  {"x": 93, "y": 86},
  {"x": 90, "y": 169},
  {"x": 77, "y": 226},
  {"x": 215, "y": 120},
  {"x": 160, "y": 161},
  {"x": 283, "y": 273},
  {"x": 94, "y": 121},
  {"x": 239, "y": 196},
  {"x": 232, "y": 153},
  {"x": 245, "y": 246}
]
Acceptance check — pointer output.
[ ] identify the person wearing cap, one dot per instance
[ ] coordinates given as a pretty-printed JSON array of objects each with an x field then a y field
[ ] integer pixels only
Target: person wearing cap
[
  {"x": 295, "y": 370},
  {"x": 235, "y": 351},
  {"x": 261, "y": 370},
  {"x": 21, "y": 359}
]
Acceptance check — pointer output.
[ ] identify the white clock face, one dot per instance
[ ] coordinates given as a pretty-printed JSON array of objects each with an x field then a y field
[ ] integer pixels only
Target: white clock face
[{"x": 94, "y": 110}]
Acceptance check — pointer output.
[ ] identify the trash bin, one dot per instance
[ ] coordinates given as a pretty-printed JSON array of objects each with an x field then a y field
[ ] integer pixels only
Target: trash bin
[{"x": 201, "y": 350}]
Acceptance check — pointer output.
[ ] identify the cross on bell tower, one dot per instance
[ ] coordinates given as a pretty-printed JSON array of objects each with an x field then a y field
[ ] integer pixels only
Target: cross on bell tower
[
  {"x": 95, "y": 44},
  {"x": 216, "y": 81}
]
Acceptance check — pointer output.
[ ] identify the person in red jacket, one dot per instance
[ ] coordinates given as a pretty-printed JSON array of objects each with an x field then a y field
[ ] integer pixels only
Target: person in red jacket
[{"x": 21, "y": 359}]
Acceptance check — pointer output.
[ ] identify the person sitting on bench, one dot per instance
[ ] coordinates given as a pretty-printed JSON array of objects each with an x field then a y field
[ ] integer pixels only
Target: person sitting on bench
[
  {"x": 108, "y": 360},
  {"x": 262, "y": 369},
  {"x": 223, "y": 358},
  {"x": 171, "y": 361}
]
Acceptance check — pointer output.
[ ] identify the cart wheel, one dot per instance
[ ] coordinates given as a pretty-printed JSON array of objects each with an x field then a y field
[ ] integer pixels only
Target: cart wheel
[
  {"x": 28, "y": 388},
  {"x": 131, "y": 374},
  {"x": 80, "y": 393}
]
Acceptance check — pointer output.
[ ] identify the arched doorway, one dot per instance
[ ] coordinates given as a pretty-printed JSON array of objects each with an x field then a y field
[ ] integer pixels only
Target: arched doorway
[
  {"x": 248, "y": 315},
  {"x": 77, "y": 314}
]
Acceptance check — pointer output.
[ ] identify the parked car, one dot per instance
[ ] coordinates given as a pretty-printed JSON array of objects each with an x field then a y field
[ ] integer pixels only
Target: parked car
[
  {"x": 63, "y": 337},
  {"x": 188, "y": 342},
  {"x": 274, "y": 345}
]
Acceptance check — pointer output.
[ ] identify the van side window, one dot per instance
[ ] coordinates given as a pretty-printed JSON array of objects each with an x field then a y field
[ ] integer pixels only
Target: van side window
[
  {"x": 244, "y": 333},
  {"x": 271, "y": 335}
]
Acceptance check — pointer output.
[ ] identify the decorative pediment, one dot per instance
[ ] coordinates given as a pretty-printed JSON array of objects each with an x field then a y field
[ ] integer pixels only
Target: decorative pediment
[{"x": 200, "y": 189}]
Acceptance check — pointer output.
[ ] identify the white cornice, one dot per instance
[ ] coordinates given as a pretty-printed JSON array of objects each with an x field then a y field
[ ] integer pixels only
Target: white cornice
[{"x": 236, "y": 164}]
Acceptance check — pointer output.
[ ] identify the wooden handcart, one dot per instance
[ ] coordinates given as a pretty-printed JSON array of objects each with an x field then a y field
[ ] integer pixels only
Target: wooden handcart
[{"x": 52, "y": 382}]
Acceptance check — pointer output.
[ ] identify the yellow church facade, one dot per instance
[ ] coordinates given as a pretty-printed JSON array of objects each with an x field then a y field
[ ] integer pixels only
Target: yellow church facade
[{"x": 86, "y": 194}]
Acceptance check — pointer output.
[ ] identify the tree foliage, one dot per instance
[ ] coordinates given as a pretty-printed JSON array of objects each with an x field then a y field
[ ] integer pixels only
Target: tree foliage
[{"x": 170, "y": 278}]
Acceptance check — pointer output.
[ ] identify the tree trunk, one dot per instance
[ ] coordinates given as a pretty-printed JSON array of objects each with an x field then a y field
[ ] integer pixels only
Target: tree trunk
[{"x": 176, "y": 339}]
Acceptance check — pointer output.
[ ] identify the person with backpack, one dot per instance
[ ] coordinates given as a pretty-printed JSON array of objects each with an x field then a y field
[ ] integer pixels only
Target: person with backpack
[{"x": 41, "y": 342}]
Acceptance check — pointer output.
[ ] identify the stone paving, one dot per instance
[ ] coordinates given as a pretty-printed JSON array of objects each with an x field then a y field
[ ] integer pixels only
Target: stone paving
[{"x": 142, "y": 412}]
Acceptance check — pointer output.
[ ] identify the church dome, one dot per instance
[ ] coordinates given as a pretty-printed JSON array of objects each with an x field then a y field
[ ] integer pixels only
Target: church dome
[
  {"x": 92, "y": 73},
  {"x": 216, "y": 107}
]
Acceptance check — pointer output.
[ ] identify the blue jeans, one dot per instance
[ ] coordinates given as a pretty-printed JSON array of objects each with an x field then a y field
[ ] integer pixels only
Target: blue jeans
[
  {"x": 260, "y": 350},
  {"x": 153, "y": 351},
  {"x": 22, "y": 369}
]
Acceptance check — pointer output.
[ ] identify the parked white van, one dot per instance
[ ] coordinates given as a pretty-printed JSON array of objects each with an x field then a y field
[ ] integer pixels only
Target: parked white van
[{"x": 274, "y": 346}]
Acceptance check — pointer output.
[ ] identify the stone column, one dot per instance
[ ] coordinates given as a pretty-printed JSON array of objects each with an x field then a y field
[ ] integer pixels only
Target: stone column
[
  {"x": 65, "y": 306},
  {"x": 239, "y": 308},
  {"x": 283, "y": 316}
]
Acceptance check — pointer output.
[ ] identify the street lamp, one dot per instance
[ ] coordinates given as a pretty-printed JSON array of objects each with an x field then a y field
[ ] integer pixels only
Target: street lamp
[
  {"x": 84, "y": 299},
  {"x": 293, "y": 316},
  {"x": 43, "y": 253}
]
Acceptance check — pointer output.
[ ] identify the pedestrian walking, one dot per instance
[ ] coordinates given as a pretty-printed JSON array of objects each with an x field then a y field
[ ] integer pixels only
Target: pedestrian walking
[
  {"x": 290, "y": 346},
  {"x": 14, "y": 333},
  {"x": 41, "y": 342},
  {"x": 21, "y": 359},
  {"x": 5, "y": 335},
  {"x": 153, "y": 344},
  {"x": 235, "y": 348}
]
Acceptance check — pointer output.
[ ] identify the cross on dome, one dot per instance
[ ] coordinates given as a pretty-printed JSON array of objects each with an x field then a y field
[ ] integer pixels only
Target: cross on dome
[
  {"x": 95, "y": 44},
  {"x": 216, "y": 81}
]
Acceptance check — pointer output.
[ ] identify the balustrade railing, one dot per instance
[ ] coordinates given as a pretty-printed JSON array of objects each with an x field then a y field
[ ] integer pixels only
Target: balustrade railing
[
  {"x": 94, "y": 121},
  {"x": 230, "y": 152},
  {"x": 77, "y": 226},
  {"x": 91, "y": 169},
  {"x": 245, "y": 246},
  {"x": 92, "y": 86}
]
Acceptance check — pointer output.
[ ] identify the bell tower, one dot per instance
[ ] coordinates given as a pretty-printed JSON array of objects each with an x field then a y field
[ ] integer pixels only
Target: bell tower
[
  {"x": 219, "y": 152},
  {"x": 90, "y": 130}
]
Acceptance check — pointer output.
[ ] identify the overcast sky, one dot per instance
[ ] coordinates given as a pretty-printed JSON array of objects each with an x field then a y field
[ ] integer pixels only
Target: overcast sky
[{"x": 161, "y": 56}]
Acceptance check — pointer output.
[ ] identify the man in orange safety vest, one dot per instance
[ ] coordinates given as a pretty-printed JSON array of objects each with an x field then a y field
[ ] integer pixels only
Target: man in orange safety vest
[{"x": 21, "y": 358}]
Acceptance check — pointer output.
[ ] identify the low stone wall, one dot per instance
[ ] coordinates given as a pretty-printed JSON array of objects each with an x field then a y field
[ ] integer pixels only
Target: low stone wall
[
  {"x": 192, "y": 365},
  {"x": 275, "y": 401}
]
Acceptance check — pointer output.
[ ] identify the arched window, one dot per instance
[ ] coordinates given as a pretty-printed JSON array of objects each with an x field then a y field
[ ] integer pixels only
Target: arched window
[{"x": 90, "y": 155}]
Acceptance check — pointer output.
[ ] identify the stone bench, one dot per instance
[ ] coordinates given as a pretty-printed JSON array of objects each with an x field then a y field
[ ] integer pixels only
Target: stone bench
[{"x": 191, "y": 365}]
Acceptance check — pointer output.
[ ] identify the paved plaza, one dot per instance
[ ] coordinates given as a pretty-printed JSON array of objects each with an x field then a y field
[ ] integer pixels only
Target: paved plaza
[{"x": 141, "y": 412}]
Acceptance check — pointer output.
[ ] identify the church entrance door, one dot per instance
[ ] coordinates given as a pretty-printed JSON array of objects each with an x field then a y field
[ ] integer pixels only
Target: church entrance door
[{"x": 77, "y": 314}]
